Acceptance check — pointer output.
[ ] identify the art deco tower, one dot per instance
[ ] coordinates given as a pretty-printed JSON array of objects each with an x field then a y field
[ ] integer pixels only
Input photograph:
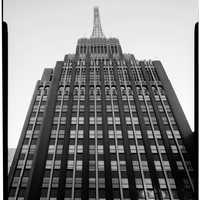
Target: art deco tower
[{"x": 103, "y": 125}]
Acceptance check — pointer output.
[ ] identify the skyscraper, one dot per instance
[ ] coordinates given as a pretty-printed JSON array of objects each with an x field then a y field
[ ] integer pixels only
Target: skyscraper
[{"x": 103, "y": 125}]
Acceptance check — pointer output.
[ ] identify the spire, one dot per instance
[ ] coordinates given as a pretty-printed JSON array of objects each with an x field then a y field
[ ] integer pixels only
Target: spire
[{"x": 97, "y": 31}]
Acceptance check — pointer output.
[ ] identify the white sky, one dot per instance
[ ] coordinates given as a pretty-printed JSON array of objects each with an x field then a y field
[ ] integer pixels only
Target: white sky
[{"x": 42, "y": 32}]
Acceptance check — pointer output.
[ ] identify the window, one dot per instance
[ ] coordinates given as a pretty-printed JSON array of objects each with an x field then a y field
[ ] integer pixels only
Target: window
[
  {"x": 99, "y": 120},
  {"x": 153, "y": 119},
  {"x": 115, "y": 182},
  {"x": 73, "y": 120},
  {"x": 169, "y": 134},
  {"x": 48, "y": 164},
  {"x": 157, "y": 165},
  {"x": 99, "y": 133},
  {"x": 81, "y": 120},
  {"x": 128, "y": 120},
  {"x": 80, "y": 134},
  {"x": 15, "y": 181},
  {"x": 141, "y": 149},
  {"x": 122, "y": 164},
  {"x": 162, "y": 183},
  {"x": 146, "y": 120},
  {"x": 91, "y": 133},
  {"x": 148, "y": 183},
  {"x": 101, "y": 182},
  {"x": 130, "y": 134},
  {"x": 111, "y": 133},
  {"x": 79, "y": 165},
  {"x": 91, "y": 182},
  {"x": 120, "y": 148},
  {"x": 149, "y": 134},
  {"x": 162, "y": 149},
  {"x": 174, "y": 149},
  {"x": 166, "y": 165},
  {"x": 133, "y": 148},
  {"x": 57, "y": 164},
  {"x": 92, "y": 165},
  {"x": 68, "y": 182},
  {"x": 92, "y": 149},
  {"x": 100, "y": 165},
  {"x": 135, "y": 120},
  {"x": 71, "y": 149},
  {"x": 182, "y": 148},
  {"x": 108, "y": 108},
  {"x": 112, "y": 149},
  {"x": 138, "y": 182},
  {"x": 110, "y": 120},
  {"x": 179, "y": 165},
  {"x": 79, "y": 148},
  {"x": 144, "y": 165},
  {"x": 59, "y": 149},
  {"x": 135, "y": 165},
  {"x": 113, "y": 165},
  {"x": 177, "y": 134},
  {"x": 78, "y": 182},
  {"x": 117, "y": 120},
  {"x": 92, "y": 120},
  {"x": 165, "y": 121},
  {"x": 157, "y": 133},
  {"x": 138, "y": 134},
  {"x": 70, "y": 164},
  {"x": 55, "y": 182},
  {"x": 100, "y": 149},
  {"x": 124, "y": 182},
  {"x": 189, "y": 165},
  {"x": 118, "y": 133}
]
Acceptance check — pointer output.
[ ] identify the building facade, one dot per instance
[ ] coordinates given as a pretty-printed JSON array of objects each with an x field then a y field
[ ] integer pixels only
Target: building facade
[{"x": 103, "y": 125}]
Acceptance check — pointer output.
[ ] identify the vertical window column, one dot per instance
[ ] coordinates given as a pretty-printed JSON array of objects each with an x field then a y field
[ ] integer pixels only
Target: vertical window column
[
  {"x": 76, "y": 136},
  {"x": 140, "y": 108},
  {"x": 64, "y": 157},
  {"x": 155, "y": 138},
  {"x": 112, "y": 91},
  {"x": 135, "y": 136},
  {"x": 130, "y": 173},
  {"x": 62, "y": 88}
]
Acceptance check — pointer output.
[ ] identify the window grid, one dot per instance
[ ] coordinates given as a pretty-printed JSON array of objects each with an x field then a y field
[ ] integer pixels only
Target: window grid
[
  {"x": 76, "y": 135},
  {"x": 175, "y": 139},
  {"x": 135, "y": 138},
  {"x": 156, "y": 141}
]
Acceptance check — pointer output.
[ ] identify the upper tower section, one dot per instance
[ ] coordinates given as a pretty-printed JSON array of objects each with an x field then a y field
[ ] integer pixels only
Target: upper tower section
[
  {"x": 98, "y": 45},
  {"x": 97, "y": 30}
]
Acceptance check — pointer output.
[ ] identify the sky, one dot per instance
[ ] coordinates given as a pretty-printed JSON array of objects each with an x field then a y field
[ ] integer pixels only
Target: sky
[{"x": 42, "y": 32}]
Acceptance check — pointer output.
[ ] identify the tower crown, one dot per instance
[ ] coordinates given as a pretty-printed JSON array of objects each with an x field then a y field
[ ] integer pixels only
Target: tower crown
[{"x": 97, "y": 30}]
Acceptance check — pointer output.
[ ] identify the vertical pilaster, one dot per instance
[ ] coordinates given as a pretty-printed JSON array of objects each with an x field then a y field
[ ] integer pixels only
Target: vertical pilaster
[
  {"x": 107, "y": 167},
  {"x": 64, "y": 158},
  {"x": 85, "y": 173}
]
